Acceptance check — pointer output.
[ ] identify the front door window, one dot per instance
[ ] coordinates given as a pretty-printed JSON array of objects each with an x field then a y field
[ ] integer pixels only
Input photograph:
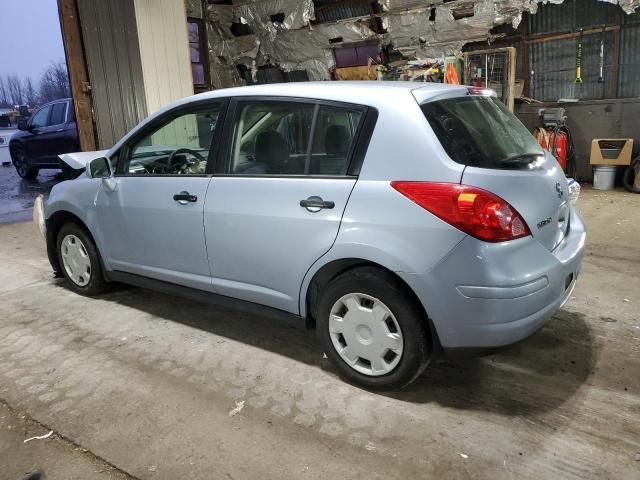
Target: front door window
[{"x": 181, "y": 146}]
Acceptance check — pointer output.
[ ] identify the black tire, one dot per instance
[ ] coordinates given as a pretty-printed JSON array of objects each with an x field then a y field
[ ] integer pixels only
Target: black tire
[
  {"x": 412, "y": 320},
  {"x": 22, "y": 165},
  {"x": 629, "y": 177},
  {"x": 96, "y": 283}
]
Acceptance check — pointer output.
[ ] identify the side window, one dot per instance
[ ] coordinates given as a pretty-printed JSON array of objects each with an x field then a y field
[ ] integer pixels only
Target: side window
[
  {"x": 58, "y": 113},
  {"x": 180, "y": 146},
  {"x": 271, "y": 138},
  {"x": 333, "y": 141},
  {"x": 41, "y": 118}
]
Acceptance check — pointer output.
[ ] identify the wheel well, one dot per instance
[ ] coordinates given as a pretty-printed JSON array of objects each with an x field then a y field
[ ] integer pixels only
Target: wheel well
[
  {"x": 333, "y": 269},
  {"x": 12, "y": 148},
  {"x": 54, "y": 224}
]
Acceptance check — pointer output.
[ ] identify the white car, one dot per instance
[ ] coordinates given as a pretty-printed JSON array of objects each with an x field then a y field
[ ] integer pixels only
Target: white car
[{"x": 5, "y": 136}]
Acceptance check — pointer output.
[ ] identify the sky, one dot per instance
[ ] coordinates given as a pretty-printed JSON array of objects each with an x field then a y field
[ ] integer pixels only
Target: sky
[{"x": 30, "y": 37}]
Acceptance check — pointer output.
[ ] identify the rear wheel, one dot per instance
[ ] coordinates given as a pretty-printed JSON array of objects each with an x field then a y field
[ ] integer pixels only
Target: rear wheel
[
  {"x": 22, "y": 165},
  {"x": 372, "y": 329},
  {"x": 79, "y": 260},
  {"x": 631, "y": 178}
]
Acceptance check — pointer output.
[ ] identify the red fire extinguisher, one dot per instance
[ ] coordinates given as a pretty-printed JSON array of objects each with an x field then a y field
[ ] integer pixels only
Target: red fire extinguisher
[{"x": 555, "y": 140}]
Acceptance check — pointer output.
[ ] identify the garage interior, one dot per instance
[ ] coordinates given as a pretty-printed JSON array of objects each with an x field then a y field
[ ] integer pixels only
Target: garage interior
[{"x": 136, "y": 384}]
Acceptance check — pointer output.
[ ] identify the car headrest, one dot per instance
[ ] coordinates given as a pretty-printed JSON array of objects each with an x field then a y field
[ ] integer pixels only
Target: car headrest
[
  {"x": 271, "y": 148},
  {"x": 337, "y": 141}
]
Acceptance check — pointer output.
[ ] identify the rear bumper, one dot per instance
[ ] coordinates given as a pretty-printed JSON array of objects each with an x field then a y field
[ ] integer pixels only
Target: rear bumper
[{"x": 483, "y": 295}]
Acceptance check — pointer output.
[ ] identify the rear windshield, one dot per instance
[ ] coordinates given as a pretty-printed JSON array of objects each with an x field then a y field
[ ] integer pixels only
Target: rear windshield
[{"x": 479, "y": 131}]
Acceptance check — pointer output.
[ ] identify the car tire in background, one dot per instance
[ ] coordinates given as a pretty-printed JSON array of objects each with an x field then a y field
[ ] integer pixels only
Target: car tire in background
[
  {"x": 79, "y": 260},
  {"x": 630, "y": 175},
  {"x": 21, "y": 164},
  {"x": 373, "y": 330}
]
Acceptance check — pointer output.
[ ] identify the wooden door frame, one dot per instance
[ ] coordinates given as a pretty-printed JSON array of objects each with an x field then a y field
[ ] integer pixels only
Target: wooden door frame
[{"x": 78, "y": 73}]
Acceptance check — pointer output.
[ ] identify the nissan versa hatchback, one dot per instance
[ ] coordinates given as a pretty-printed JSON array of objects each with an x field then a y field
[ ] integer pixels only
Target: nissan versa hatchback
[{"x": 400, "y": 219}]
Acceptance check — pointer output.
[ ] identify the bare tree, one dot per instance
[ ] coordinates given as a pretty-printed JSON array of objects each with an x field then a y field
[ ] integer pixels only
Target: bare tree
[
  {"x": 4, "y": 94},
  {"x": 14, "y": 85},
  {"x": 30, "y": 94},
  {"x": 54, "y": 83}
]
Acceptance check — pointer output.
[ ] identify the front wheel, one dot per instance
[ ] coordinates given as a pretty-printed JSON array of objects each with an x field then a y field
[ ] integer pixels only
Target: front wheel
[
  {"x": 372, "y": 329},
  {"x": 79, "y": 259},
  {"x": 22, "y": 165}
]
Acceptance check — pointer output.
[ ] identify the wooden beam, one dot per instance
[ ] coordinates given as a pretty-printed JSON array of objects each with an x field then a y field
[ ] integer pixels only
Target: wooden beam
[
  {"x": 541, "y": 38},
  {"x": 78, "y": 76},
  {"x": 511, "y": 77},
  {"x": 617, "y": 54},
  {"x": 524, "y": 51}
]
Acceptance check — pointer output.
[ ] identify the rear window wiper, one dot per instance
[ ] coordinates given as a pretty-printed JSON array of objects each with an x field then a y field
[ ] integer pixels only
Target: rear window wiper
[{"x": 520, "y": 158}]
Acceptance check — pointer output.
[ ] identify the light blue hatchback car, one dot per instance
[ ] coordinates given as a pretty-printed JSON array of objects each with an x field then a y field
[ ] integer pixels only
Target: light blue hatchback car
[{"x": 399, "y": 219}]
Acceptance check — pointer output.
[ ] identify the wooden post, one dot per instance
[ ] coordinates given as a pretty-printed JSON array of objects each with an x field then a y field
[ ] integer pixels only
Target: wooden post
[
  {"x": 78, "y": 76},
  {"x": 511, "y": 77}
]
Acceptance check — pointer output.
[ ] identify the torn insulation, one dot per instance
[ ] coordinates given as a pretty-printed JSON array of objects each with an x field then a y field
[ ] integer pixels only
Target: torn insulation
[{"x": 248, "y": 35}]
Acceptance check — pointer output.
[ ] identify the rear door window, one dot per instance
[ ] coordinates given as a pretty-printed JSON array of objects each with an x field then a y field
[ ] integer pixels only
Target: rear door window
[
  {"x": 58, "y": 113},
  {"x": 479, "y": 131},
  {"x": 273, "y": 138},
  {"x": 334, "y": 138}
]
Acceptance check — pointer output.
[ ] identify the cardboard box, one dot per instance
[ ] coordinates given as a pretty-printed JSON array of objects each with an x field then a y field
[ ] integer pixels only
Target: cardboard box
[{"x": 611, "y": 151}]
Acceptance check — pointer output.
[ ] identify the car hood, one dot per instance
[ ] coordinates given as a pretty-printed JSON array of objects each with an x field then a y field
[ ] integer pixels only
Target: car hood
[{"x": 79, "y": 160}]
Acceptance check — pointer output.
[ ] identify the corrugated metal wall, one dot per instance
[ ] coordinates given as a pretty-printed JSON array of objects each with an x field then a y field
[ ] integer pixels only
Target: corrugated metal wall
[
  {"x": 630, "y": 57},
  {"x": 334, "y": 10},
  {"x": 571, "y": 15},
  {"x": 164, "y": 51},
  {"x": 113, "y": 58},
  {"x": 554, "y": 61}
]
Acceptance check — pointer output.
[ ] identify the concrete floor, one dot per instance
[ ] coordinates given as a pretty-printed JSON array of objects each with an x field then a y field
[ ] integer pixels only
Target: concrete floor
[
  {"x": 146, "y": 383},
  {"x": 16, "y": 195}
]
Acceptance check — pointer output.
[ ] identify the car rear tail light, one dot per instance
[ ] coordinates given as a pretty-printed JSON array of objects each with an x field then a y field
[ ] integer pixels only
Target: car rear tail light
[{"x": 474, "y": 211}]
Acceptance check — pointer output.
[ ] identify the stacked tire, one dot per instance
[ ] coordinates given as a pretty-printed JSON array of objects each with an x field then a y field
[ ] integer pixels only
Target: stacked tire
[{"x": 631, "y": 178}]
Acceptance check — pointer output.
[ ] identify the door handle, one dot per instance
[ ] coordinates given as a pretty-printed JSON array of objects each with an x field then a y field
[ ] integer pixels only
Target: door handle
[
  {"x": 315, "y": 204},
  {"x": 185, "y": 197}
]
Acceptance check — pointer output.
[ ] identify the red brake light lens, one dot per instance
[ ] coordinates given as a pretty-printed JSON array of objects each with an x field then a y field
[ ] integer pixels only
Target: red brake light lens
[
  {"x": 477, "y": 212},
  {"x": 480, "y": 91}
]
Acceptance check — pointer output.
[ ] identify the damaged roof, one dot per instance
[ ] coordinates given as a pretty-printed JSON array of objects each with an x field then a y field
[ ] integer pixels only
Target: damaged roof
[{"x": 301, "y": 34}]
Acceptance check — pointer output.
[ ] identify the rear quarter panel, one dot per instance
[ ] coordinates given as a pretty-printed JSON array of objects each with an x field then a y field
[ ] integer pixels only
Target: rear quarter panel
[{"x": 380, "y": 225}]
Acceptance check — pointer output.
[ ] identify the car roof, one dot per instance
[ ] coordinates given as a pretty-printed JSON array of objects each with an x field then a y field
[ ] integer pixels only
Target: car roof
[
  {"x": 377, "y": 94},
  {"x": 364, "y": 92}
]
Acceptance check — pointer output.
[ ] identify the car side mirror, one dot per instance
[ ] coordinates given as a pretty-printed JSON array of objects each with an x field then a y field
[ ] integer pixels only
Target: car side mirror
[
  {"x": 23, "y": 125},
  {"x": 99, "y": 168}
]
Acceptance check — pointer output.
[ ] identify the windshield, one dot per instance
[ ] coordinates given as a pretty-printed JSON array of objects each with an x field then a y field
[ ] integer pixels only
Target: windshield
[{"x": 479, "y": 131}]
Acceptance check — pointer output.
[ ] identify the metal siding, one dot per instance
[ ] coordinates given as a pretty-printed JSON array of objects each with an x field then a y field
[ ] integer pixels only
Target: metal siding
[
  {"x": 164, "y": 51},
  {"x": 630, "y": 61},
  {"x": 553, "y": 18},
  {"x": 297, "y": 76},
  {"x": 572, "y": 15},
  {"x": 114, "y": 65},
  {"x": 333, "y": 10},
  {"x": 593, "y": 14},
  {"x": 554, "y": 63}
]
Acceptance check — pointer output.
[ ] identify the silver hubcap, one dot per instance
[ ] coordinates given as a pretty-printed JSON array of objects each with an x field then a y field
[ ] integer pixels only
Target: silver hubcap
[
  {"x": 366, "y": 334},
  {"x": 76, "y": 260}
]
